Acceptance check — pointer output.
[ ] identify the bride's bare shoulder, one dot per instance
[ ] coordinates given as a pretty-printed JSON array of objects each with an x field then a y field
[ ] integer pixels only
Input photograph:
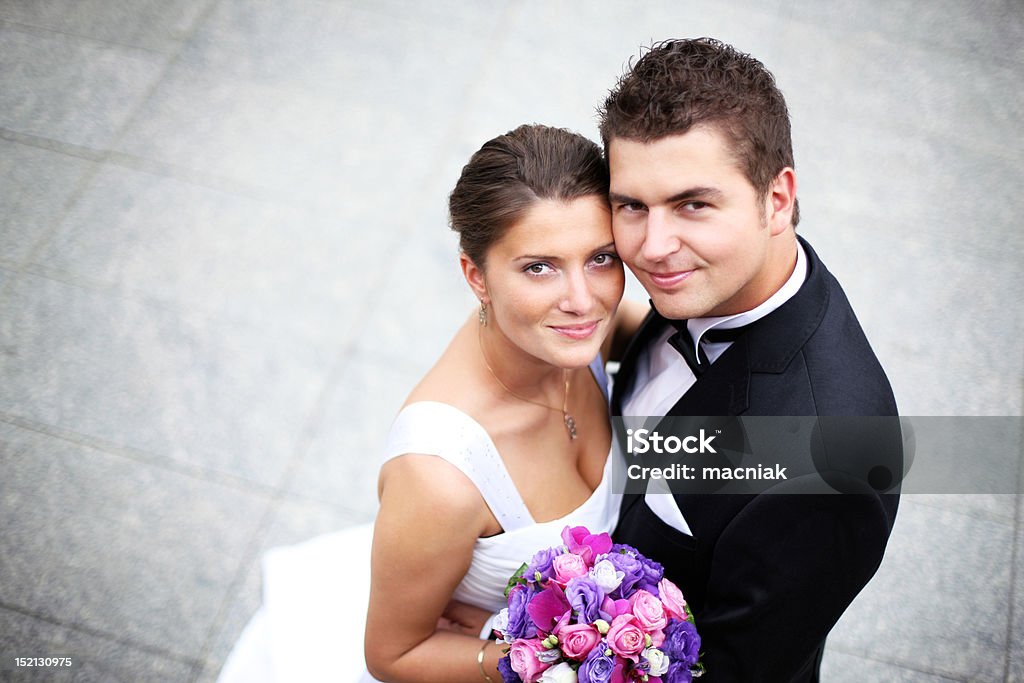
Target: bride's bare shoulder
[{"x": 455, "y": 378}]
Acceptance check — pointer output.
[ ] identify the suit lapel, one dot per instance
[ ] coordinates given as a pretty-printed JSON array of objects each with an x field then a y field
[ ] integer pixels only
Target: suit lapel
[{"x": 722, "y": 390}]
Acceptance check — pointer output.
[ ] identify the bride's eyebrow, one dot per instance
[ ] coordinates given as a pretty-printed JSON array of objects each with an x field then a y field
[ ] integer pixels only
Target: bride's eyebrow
[
  {"x": 537, "y": 257},
  {"x": 542, "y": 257}
]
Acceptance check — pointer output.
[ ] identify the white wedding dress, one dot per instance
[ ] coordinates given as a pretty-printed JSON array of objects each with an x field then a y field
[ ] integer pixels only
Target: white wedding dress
[{"x": 310, "y": 626}]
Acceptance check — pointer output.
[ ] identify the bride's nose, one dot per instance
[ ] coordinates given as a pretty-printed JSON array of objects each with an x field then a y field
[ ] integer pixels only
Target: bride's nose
[{"x": 577, "y": 297}]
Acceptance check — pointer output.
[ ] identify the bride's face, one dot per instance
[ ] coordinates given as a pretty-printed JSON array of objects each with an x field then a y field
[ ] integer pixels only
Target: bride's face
[{"x": 554, "y": 281}]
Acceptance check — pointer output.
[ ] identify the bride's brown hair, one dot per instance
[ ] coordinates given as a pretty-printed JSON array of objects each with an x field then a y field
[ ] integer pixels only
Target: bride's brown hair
[{"x": 511, "y": 172}]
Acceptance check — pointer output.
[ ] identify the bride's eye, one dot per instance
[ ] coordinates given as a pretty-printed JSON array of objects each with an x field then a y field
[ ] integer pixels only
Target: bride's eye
[
  {"x": 604, "y": 259},
  {"x": 538, "y": 269}
]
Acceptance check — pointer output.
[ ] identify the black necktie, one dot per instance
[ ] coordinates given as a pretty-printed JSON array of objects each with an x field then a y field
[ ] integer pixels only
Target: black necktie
[{"x": 698, "y": 361}]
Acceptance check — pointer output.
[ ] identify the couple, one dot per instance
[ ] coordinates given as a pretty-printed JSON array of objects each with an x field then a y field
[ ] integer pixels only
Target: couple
[{"x": 507, "y": 439}]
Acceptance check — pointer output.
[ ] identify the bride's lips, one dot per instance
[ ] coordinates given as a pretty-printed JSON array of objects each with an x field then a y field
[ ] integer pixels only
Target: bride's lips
[
  {"x": 669, "y": 280},
  {"x": 578, "y": 331}
]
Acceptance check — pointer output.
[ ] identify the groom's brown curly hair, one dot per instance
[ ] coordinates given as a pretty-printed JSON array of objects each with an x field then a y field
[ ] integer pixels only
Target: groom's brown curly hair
[{"x": 679, "y": 84}]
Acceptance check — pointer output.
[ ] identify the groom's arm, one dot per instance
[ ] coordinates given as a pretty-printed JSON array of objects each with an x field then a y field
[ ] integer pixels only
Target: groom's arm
[
  {"x": 628, "y": 317},
  {"x": 783, "y": 572}
]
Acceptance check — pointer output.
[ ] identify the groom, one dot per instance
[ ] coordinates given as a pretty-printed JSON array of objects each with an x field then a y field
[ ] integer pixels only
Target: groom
[{"x": 746, "y": 321}]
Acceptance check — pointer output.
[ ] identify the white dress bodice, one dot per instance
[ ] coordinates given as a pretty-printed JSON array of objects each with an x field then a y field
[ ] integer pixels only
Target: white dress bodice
[{"x": 432, "y": 428}]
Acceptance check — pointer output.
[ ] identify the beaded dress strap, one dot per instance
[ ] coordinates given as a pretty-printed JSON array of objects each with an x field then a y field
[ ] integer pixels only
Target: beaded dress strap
[{"x": 434, "y": 428}]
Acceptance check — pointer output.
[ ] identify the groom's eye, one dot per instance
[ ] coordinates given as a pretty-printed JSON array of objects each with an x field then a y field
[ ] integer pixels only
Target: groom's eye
[{"x": 631, "y": 207}]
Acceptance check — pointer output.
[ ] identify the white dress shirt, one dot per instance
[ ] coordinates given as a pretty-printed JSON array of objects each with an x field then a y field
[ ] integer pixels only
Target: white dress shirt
[{"x": 662, "y": 376}]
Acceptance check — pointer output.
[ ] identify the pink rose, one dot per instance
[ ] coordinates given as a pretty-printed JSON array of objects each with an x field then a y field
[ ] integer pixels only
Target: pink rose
[
  {"x": 625, "y": 638},
  {"x": 577, "y": 640},
  {"x": 657, "y": 638},
  {"x": 648, "y": 610},
  {"x": 672, "y": 599},
  {"x": 568, "y": 566},
  {"x": 523, "y": 657}
]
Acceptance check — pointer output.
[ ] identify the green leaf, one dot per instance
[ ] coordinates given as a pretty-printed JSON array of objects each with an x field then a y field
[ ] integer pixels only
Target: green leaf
[{"x": 516, "y": 579}]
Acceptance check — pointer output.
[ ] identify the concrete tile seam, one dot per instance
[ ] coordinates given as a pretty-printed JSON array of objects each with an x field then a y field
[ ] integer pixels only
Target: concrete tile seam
[
  {"x": 197, "y": 313},
  {"x": 172, "y": 59},
  {"x": 162, "y": 462},
  {"x": 980, "y": 515},
  {"x": 895, "y": 662},
  {"x": 31, "y": 29},
  {"x": 1016, "y": 585},
  {"x": 51, "y": 145},
  {"x": 100, "y": 633},
  {"x": 250, "y": 555}
]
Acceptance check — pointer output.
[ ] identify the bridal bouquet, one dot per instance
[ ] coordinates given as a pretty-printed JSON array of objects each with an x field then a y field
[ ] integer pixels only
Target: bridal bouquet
[{"x": 590, "y": 611}]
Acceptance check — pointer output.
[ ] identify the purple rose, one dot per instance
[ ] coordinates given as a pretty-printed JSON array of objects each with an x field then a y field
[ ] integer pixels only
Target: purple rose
[
  {"x": 682, "y": 643},
  {"x": 597, "y": 667},
  {"x": 585, "y": 598},
  {"x": 508, "y": 675},
  {"x": 678, "y": 672},
  {"x": 520, "y": 625},
  {"x": 541, "y": 562},
  {"x": 653, "y": 573},
  {"x": 632, "y": 569}
]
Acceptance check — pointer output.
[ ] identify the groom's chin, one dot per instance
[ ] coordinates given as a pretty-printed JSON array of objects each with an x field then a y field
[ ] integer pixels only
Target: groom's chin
[{"x": 676, "y": 306}]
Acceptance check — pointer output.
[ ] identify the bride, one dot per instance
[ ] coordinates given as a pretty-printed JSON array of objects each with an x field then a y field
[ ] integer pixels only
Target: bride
[{"x": 503, "y": 443}]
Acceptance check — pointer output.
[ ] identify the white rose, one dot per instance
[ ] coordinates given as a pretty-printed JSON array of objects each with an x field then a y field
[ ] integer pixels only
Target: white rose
[
  {"x": 657, "y": 660},
  {"x": 605, "y": 576},
  {"x": 559, "y": 673},
  {"x": 499, "y": 623}
]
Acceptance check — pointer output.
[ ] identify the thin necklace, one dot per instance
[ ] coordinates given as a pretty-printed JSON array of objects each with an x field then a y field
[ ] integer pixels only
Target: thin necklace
[{"x": 570, "y": 422}]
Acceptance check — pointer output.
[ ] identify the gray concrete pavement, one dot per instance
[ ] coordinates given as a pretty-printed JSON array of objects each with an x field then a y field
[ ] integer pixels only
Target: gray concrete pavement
[{"x": 224, "y": 261}]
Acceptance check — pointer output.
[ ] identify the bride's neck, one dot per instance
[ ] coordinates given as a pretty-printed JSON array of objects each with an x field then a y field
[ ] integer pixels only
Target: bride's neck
[{"x": 518, "y": 370}]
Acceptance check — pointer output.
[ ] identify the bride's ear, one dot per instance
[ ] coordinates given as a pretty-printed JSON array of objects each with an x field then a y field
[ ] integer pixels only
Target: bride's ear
[{"x": 475, "y": 277}]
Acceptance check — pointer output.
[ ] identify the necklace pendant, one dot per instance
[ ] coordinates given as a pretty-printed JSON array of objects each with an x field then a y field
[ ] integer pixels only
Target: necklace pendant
[{"x": 570, "y": 424}]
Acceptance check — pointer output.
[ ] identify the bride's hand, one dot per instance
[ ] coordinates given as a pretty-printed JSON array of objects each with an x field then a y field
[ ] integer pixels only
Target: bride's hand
[
  {"x": 463, "y": 618},
  {"x": 455, "y": 627}
]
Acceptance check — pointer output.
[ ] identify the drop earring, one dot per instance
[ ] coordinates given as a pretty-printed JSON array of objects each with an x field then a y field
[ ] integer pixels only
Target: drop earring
[{"x": 482, "y": 315}]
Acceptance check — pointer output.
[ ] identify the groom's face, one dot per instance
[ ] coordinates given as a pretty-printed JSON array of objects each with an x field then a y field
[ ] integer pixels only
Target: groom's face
[{"x": 689, "y": 224}]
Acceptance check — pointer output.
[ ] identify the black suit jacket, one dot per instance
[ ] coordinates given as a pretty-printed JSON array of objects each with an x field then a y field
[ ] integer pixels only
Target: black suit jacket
[{"x": 769, "y": 575}]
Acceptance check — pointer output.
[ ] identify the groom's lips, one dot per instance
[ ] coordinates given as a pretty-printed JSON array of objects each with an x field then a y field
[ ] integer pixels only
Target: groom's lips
[
  {"x": 669, "y": 280},
  {"x": 577, "y": 331}
]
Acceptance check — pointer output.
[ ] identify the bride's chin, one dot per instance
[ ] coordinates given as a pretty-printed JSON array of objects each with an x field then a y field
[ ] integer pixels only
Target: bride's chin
[{"x": 578, "y": 358}]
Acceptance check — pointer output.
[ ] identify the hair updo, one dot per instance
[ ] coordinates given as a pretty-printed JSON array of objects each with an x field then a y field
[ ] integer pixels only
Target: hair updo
[{"x": 508, "y": 174}]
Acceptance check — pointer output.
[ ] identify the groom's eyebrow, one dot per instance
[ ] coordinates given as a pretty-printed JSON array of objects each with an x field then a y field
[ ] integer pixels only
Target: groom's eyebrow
[
  {"x": 686, "y": 195},
  {"x": 616, "y": 198},
  {"x": 695, "y": 193}
]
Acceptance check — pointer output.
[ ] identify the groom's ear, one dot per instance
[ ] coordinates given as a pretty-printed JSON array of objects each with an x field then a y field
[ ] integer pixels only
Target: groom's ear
[
  {"x": 780, "y": 201},
  {"x": 475, "y": 277}
]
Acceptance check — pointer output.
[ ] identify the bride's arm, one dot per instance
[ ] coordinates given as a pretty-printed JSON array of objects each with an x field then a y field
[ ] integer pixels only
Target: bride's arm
[{"x": 430, "y": 517}]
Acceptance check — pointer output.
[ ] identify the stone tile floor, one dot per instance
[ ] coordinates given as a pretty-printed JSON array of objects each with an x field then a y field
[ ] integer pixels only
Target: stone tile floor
[{"x": 224, "y": 260}]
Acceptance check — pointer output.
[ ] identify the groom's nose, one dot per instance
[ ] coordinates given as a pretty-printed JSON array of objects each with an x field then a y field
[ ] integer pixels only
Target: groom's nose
[{"x": 660, "y": 237}]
